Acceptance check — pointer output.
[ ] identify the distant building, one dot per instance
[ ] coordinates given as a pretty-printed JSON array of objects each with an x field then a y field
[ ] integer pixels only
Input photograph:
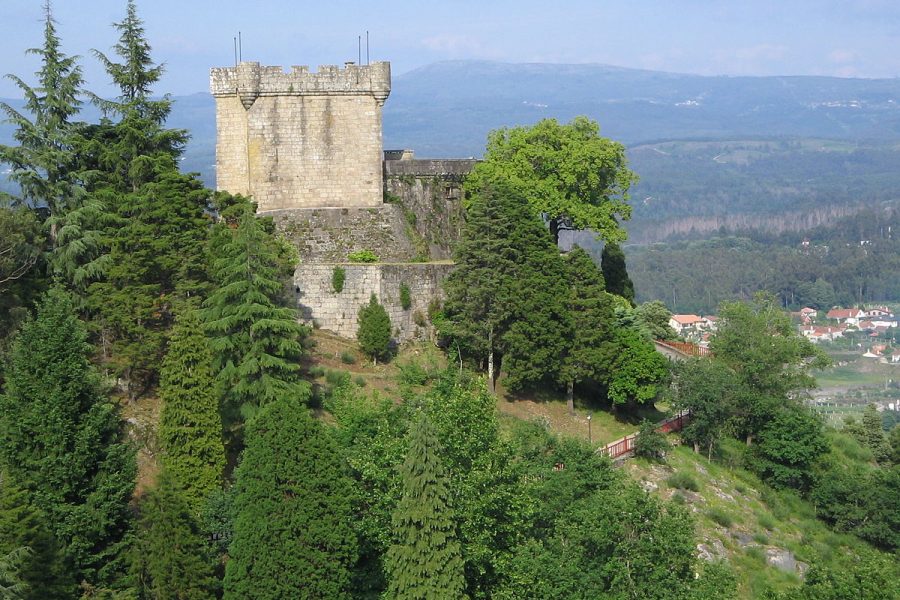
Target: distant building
[
  {"x": 684, "y": 323},
  {"x": 850, "y": 316}
]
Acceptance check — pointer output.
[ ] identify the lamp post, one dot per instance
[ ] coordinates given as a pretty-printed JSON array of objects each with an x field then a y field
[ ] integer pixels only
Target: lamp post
[{"x": 590, "y": 438}]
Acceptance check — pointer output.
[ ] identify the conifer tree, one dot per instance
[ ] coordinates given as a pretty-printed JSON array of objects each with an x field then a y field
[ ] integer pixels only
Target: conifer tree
[
  {"x": 612, "y": 261},
  {"x": 22, "y": 525},
  {"x": 44, "y": 163},
  {"x": 190, "y": 427},
  {"x": 425, "y": 561},
  {"x": 170, "y": 559},
  {"x": 292, "y": 505},
  {"x": 374, "y": 333},
  {"x": 505, "y": 296},
  {"x": 589, "y": 351},
  {"x": 256, "y": 343},
  {"x": 59, "y": 438}
]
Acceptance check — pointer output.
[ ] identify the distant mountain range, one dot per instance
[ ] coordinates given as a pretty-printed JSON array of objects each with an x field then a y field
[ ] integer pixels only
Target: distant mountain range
[{"x": 447, "y": 109}]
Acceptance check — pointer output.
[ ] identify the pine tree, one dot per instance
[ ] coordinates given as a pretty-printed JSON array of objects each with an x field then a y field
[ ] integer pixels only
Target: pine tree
[
  {"x": 374, "y": 333},
  {"x": 59, "y": 437},
  {"x": 505, "y": 296},
  {"x": 425, "y": 561},
  {"x": 589, "y": 351},
  {"x": 190, "y": 428},
  {"x": 44, "y": 164},
  {"x": 22, "y": 525},
  {"x": 256, "y": 343},
  {"x": 612, "y": 262},
  {"x": 170, "y": 559},
  {"x": 292, "y": 505}
]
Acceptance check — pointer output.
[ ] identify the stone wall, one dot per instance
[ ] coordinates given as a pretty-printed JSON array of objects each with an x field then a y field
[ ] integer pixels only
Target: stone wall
[
  {"x": 322, "y": 307},
  {"x": 301, "y": 139}
]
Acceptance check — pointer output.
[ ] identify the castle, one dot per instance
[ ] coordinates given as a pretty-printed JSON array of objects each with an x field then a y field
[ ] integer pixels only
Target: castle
[{"x": 307, "y": 147}]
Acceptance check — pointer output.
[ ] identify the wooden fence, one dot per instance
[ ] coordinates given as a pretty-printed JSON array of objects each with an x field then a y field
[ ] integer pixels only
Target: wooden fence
[{"x": 625, "y": 445}]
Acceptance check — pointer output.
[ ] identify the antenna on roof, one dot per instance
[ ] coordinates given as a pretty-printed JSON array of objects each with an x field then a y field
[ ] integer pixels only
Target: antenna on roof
[
  {"x": 367, "y": 47},
  {"x": 235, "y": 51},
  {"x": 359, "y": 49},
  {"x": 240, "y": 48}
]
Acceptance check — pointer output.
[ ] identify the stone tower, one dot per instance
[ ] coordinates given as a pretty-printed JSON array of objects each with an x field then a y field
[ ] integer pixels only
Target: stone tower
[{"x": 301, "y": 140}]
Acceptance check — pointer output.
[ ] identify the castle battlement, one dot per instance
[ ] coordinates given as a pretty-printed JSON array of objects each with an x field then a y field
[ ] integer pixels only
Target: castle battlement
[{"x": 249, "y": 80}]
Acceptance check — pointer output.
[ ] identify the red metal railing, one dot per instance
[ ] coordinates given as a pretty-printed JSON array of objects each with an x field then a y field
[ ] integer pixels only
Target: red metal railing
[
  {"x": 685, "y": 348},
  {"x": 625, "y": 445}
]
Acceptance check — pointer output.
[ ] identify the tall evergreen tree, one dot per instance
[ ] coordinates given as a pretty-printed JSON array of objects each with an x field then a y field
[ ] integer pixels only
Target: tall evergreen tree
[
  {"x": 590, "y": 350},
  {"x": 505, "y": 296},
  {"x": 190, "y": 427},
  {"x": 612, "y": 262},
  {"x": 59, "y": 438},
  {"x": 170, "y": 559},
  {"x": 374, "y": 333},
  {"x": 22, "y": 525},
  {"x": 44, "y": 163},
  {"x": 425, "y": 561},
  {"x": 256, "y": 343},
  {"x": 292, "y": 507}
]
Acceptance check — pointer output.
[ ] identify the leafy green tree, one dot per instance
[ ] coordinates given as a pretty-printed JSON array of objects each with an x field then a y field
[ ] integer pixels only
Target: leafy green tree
[
  {"x": 894, "y": 438},
  {"x": 425, "y": 560},
  {"x": 789, "y": 446},
  {"x": 169, "y": 558},
  {"x": 589, "y": 351},
  {"x": 650, "y": 443},
  {"x": 256, "y": 342},
  {"x": 873, "y": 434},
  {"x": 709, "y": 390},
  {"x": 863, "y": 577},
  {"x": 566, "y": 172},
  {"x": 292, "y": 506},
  {"x": 190, "y": 427},
  {"x": 772, "y": 361},
  {"x": 59, "y": 438},
  {"x": 22, "y": 525},
  {"x": 654, "y": 317},
  {"x": 612, "y": 262},
  {"x": 20, "y": 243},
  {"x": 11, "y": 585},
  {"x": 374, "y": 333},
  {"x": 637, "y": 372},
  {"x": 505, "y": 298}
]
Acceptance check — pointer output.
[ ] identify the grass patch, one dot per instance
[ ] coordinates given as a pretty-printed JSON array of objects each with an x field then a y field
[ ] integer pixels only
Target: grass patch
[
  {"x": 718, "y": 516},
  {"x": 683, "y": 481},
  {"x": 348, "y": 357}
]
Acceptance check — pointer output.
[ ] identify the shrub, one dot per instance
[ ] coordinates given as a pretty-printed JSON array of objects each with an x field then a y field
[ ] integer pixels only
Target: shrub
[
  {"x": 720, "y": 517},
  {"x": 337, "y": 378},
  {"x": 767, "y": 521},
  {"x": 761, "y": 538},
  {"x": 650, "y": 443},
  {"x": 374, "y": 333},
  {"x": 360, "y": 381},
  {"x": 413, "y": 374},
  {"x": 419, "y": 318},
  {"x": 337, "y": 279},
  {"x": 362, "y": 256},
  {"x": 316, "y": 371},
  {"x": 683, "y": 481},
  {"x": 405, "y": 297},
  {"x": 348, "y": 358}
]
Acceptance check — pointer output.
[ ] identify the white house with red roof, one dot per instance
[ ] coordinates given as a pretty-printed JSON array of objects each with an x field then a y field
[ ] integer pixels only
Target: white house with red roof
[
  {"x": 850, "y": 316},
  {"x": 684, "y": 323}
]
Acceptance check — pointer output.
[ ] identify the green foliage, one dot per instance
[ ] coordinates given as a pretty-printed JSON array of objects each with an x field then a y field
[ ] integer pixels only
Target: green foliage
[
  {"x": 20, "y": 243},
  {"x": 22, "y": 525},
  {"x": 650, "y": 443},
  {"x": 612, "y": 261},
  {"x": 362, "y": 256},
  {"x": 709, "y": 390},
  {"x": 654, "y": 317},
  {"x": 683, "y": 481},
  {"x": 12, "y": 587},
  {"x": 425, "y": 561},
  {"x": 771, "y": 360},
  {"x": 374, "y": 333},
  {"x": 256, "y": 343},
  {"x": 292, "y": 506},
  {"x": 405, "y": 297},
  {"x": 873, "y": 435},
  {"x": 506, "y": 295},
  {"x": 338, "y": 275},
  {"x": 190, "y": 427},
  {"x": 59, "y": 438},
  {"x": 720, "y": 517},
  {"x": 567, "y": 172},
  {"x": 348, "y": 358},
  {"x": 637, "y": 371},
  {"x": 169, "y": 558},
  {"x": 863, "y": 577},
  {"x": 789, "y": 446}
]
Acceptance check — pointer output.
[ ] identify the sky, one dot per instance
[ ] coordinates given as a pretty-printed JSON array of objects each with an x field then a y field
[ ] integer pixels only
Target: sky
[{"x": 845, "y": 38}]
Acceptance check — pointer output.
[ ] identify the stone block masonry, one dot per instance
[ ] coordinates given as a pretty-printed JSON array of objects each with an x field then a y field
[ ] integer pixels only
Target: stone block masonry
[
  {"x": 322, "y": 307},
  {"x": 300, "y": 139}
]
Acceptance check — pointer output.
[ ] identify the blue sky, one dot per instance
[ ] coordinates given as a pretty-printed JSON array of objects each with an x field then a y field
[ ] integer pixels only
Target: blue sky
[{"x": 853, "y": 38}]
